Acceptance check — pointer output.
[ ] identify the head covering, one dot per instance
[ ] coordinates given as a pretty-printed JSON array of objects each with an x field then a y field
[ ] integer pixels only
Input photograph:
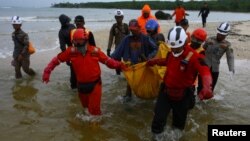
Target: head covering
[
  {"x": 200, "y": 34},
  {"x": 184, "y": 22},
  {"x": 64, "y": 19},
  {"x": 223, "y": 28},
  {"x": 16, "y": 20},
  {"x": 133, "y": 24},
  {"x": 146, "y": 9},
  {"x": 79, "y": 18},
  {"x": 118, "y": 13},
  {"x": 80, "y": 34},
  {"x": 177, "y": 37}
]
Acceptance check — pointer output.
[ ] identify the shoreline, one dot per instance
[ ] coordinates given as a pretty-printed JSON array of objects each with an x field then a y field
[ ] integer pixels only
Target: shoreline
[
  {"x": 239, "y": 37},
  {"x": 40, "y": 107}
]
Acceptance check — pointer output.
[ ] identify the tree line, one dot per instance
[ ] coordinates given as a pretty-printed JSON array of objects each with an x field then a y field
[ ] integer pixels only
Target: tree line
[{"x": 214, "y": 5}]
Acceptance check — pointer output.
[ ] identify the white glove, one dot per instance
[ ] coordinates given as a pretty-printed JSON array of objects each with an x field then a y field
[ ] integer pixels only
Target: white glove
[{"x": 231, "y": 73}]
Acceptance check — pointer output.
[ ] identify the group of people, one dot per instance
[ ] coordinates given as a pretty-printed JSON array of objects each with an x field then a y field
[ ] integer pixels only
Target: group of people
[{"x": 192, "y": 56}]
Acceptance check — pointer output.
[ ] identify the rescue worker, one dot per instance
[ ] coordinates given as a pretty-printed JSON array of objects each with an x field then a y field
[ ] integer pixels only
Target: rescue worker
[
  {"x": 185, "y": 24},
  {"x": 21, "y": 56},
  {"x": 118, "y": 30},
  {"x": 198, "y": 37},
  {"x": 134, "y": 48},
  {"x": 145, "y": 16},
  {"x": 215, "y": 47},
  {"x": 204, "y": 11},
  {"x": 179, "y": 14},
  {"x": 65, "y": 41},
  {"x": 79, "y": 22},
  {"x": 85, "y": 61},
  {"x": 183, "y": 63},
  {"x": 152, "y": 30}
]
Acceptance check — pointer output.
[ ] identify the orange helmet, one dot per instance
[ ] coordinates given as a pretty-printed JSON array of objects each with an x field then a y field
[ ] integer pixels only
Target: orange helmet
[
  {"x": 200, "y": 34},
  {"x": 80, "y": 34}
]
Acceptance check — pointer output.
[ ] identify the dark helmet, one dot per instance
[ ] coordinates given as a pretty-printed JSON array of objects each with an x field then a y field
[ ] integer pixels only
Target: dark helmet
[
  {"x": 184, "y": 22},
  {"x": 79, "y": 18}
]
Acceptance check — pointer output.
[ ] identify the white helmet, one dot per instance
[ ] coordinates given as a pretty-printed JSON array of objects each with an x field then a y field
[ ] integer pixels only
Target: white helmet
[
  {"x": 16, "y": 20},
  {"x": 224, "y": 28},
  {"x": 118, "y": 13},
  {"x": 176, "y": 37}
]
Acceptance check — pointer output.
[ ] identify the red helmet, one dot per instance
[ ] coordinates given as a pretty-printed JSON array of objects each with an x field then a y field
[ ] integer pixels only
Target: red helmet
[
  {"x": 200, "y": 34},
  {"x": 80, "y": 34}
]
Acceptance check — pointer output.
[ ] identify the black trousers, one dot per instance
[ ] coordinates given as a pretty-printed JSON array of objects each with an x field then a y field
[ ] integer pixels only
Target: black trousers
[
  {"x": 179, "y": 110},
  {"x": 204, "y": 20}
]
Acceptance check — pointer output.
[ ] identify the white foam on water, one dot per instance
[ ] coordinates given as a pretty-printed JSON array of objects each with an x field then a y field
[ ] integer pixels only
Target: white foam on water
[{"x": 87, "y": 117}]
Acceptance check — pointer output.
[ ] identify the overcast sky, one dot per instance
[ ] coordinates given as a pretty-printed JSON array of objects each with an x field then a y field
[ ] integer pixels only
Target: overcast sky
[{"x": 45, "y": 3}]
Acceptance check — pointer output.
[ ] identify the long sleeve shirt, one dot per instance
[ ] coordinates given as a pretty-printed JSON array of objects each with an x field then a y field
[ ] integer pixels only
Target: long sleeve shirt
[
  {"x": 135, "y": 50},
  {"x": 119, "y": 32},
  {"x": 214, "y": 50},
  {"x": 21, "y": 43},
  {"x": 64, "y": 36}
]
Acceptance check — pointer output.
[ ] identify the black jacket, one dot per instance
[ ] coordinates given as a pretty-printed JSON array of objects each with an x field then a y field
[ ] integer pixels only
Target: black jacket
[
  {"x": 64, "y": 36},
  {"x": 204, "y": 11}
]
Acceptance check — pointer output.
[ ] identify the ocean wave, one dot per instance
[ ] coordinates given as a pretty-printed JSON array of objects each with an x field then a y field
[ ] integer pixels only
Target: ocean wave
[
  {"x": 55, "y": 29},
  {"x": 49, "y": 19},
  {"x": 5, "y": 53}
]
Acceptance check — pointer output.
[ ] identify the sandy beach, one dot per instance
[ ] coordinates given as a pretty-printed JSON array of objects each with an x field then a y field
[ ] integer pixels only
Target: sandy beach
[
  {"x": 48, "y": 111},
  {"x": 239, "y": 37}
]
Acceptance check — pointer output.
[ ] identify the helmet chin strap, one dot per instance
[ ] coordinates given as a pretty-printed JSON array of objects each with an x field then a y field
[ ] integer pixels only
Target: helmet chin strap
[{"x": 177, "y": 54}]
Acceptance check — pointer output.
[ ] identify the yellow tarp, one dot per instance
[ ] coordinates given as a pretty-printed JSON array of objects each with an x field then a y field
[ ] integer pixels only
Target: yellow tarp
[
  {"x": 144, "y": 80},
  {"x": 162, "y": 53}
]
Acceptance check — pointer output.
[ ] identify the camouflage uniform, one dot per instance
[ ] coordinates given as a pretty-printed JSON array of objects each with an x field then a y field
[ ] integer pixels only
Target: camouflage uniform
[
  {"x": 214, "y": 50},
  {"x": 21, "y": 43}
]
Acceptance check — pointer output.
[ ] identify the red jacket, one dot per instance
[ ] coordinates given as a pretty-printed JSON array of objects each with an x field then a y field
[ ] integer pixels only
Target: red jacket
[
  {"x": 179, "y": 75},
  {"x": 179, "y": 14},
  {"x": 86, "y": 67}
]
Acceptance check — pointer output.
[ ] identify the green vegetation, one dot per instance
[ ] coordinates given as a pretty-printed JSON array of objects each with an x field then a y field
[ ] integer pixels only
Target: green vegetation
[{"x": 214, "y": 5}]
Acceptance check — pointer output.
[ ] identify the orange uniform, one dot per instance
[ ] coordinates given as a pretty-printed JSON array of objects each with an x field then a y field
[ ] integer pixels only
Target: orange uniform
[
  {"x": 88, "y": 73},
  {"x": 179, "y": 14},
  {"x": 188, "y": 37},
  {"x": 142, "y": 20}
]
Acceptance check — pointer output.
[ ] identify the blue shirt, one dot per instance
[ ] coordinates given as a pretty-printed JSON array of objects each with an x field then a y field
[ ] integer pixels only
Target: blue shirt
[{"x": 135, "y": 49}]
